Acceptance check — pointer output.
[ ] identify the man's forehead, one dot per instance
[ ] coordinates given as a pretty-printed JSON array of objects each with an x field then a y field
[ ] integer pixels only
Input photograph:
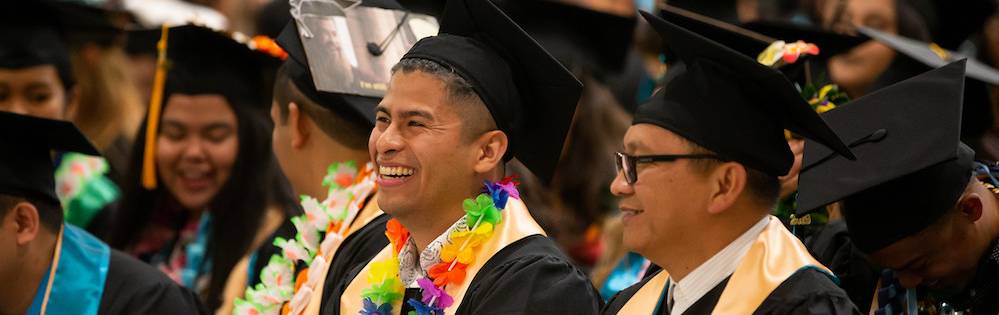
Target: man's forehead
[{"x": 650, "y": 137}]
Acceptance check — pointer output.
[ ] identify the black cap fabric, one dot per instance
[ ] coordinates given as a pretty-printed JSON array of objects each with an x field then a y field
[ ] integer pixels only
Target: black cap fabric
[
  {"x": 910, "y": 167},
  {"x": 205, "y": 61},
  {"x": 27, "y": 169},
  {"x": 933, "y": 55},
  {"x": 730, "y": 104},
  {"x": 578, "y": 37},
  {"x": 361, "y": 103},
  {"x": 530, "y": 95}
]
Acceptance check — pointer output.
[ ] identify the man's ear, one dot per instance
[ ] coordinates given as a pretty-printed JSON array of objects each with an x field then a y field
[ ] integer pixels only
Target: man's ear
[
  {"x": 26, "y": 221},
  {"x": 970, "y": 206},
  {"x": 491, "y": 147},
  {"x": 728, "y": 181},
  {"x": 299, "y": 125}
]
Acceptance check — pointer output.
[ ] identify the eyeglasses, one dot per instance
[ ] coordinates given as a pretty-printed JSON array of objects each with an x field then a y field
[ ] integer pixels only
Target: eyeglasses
[{"x": 628, "y": 164}]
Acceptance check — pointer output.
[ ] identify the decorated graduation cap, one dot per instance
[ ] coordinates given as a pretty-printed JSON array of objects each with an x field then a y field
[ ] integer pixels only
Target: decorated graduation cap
[
  {"x": 529, "y": 94},
  {"x": 341, "y": 58},
  {"x": 911, "y": 166},
  {"x": 27, "y": 171},
  {"x": 197, "y": 60},
  {"x": 578, "y": 37},
  {"x": 730, "y": 104},
  {"x": 787, "y": 47}
]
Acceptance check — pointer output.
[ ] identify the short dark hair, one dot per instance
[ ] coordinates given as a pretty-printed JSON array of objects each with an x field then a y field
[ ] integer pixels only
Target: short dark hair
[
  {"x": 49, "y": 213},
  {"x": 459, "y": 92},
  {"x": 342, "y": 125},
  {"x": 764, "y": 187}
]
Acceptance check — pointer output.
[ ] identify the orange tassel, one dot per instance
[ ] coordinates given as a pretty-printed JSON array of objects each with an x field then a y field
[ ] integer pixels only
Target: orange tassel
[{"x": 153, "y": 117}]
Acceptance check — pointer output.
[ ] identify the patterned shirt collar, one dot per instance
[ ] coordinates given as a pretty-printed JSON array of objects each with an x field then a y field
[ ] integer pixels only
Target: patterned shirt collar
[{"x": 412, "y": 268}]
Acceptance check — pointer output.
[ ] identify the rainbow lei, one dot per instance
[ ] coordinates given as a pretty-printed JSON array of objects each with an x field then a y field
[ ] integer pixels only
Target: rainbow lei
[
  {"x": 456, "y": 255},
  {"x": 320, "y": 230}
]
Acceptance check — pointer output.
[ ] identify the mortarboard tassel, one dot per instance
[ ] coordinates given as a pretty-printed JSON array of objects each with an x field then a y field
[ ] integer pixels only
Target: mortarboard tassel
[{"x": 153, "y": 117}]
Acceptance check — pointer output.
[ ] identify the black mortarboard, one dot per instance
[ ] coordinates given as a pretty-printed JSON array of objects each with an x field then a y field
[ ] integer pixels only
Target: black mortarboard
[
  {"x": 28, "y": 167},
  {"x": 578, "y": 37},
  {"x": 916, "y": 57},
  {"x": 205, "y": 61},
  {"x": 910, "y": 167},
  {"x": 347, "y": 93},
  {"x": 730, "y": 104},
  {"x": 530, "y": 95},
  {"x": 31, "y": 34}
]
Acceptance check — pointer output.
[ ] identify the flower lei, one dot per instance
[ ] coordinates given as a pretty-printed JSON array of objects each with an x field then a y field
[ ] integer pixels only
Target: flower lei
[
  {"x": 788, "y": 53},
  {"x": 455, "y": 255},
  {"x": 83, "y": 188},
  {"x": 320, "y": 230}
]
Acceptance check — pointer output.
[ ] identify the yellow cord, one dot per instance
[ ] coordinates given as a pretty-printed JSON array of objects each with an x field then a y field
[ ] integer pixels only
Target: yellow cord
[
  {"x": 52, "y": 271},
  {"x": 153, "y": 117}
]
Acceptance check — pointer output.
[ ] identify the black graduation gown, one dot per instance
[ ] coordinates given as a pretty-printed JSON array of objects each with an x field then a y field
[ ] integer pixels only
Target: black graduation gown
[
  {"x": 354, "y": 253},
  {"x": 831, "y": 246},
  {"x": 530, "y": 276},
  {"x": 807, "y": 291},
  {"x": 133, "y": 287}
]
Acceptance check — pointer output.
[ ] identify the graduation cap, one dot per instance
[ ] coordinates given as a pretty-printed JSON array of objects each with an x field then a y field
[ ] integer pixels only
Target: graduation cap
[
  {"x": 31, "y": 34},
  {"x": 752, "y": 39},
  {"x": 730, "y": 104},
  {"x": 27, "y": 170},
  {"x": 911, "y": 166},
  {"x": 198, "y": 60},
  {"x": 358, "y": 76},
  {"x": 530, "y": 95},
  {"x": 576, "y": 36},
  {"x": 916, "y": 57}
]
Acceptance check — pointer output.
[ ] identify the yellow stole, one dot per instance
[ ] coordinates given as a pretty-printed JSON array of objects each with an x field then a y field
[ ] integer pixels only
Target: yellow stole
[
  {"x": 774, "y": 256},
  {"x": 367, "y": 214},
  {"x": 517, "y": 224}
]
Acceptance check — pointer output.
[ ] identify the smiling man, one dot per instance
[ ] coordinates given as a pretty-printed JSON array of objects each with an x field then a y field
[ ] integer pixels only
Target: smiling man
[
  {"x": 321, "y": 133},
  {"x": 459, "y": 106},
  {"x": 698, "y": 180},
  {"x": 912, "y": 200}
]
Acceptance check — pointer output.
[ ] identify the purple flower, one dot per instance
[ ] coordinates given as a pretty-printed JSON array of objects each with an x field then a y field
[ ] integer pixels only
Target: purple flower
[{"x": 432, "y": 292}]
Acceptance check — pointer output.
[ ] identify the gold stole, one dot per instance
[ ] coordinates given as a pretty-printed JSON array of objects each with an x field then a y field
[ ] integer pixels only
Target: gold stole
[
  {"x": 517, "y": 224},
  {"x": 367, "y": 214},
  {"x": 773, "y": 258}
]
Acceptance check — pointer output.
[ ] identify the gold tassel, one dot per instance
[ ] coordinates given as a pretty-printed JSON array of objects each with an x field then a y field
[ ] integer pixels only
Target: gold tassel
[{"x": 153, "y": 117}]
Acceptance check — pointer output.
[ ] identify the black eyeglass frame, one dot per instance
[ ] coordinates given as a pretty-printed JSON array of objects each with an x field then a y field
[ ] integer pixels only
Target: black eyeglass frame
[{"x": 628, "y": 164}]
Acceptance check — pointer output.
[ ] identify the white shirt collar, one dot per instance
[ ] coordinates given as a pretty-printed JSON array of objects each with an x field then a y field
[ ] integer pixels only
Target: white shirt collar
[
  {"x": 411, "y": 268},
  {"x": 709, "y": 274}
]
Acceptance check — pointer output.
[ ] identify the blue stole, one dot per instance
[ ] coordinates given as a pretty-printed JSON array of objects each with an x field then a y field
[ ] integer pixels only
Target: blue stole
[{"x": 79, "y": 278}]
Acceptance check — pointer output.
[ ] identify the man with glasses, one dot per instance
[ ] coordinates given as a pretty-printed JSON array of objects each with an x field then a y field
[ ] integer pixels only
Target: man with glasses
[{"x": 698, "y": 180}]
